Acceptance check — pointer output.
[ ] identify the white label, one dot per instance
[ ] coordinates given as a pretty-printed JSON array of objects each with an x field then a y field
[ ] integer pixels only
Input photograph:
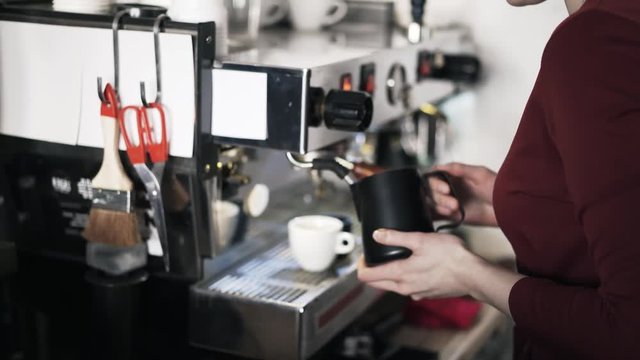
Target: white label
[{"x": 239, "y": 104}]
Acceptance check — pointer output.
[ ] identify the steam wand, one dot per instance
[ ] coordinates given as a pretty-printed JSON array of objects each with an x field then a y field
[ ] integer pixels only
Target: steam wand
[{"x": 346, "y": 170}]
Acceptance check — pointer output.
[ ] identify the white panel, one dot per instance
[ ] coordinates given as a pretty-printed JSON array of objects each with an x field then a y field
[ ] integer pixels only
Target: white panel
[
  {"x": 240, "y": 104},
  {"x": 48, "y": 81},
  {"x": 38, "y": 98}
]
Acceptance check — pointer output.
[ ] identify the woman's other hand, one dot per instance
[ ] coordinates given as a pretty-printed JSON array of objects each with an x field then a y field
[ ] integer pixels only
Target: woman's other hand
[
  {"x": 474, "y": 186},
  {"x": 434, "y": 270}
]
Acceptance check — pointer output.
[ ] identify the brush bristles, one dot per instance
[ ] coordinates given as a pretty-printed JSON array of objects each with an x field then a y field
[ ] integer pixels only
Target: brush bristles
[{"x": 112, "y": 227}]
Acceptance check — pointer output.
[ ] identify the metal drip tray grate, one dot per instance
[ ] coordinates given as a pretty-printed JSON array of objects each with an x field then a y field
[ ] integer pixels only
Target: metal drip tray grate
[
  {"x": 238, "y": 286},
  {"x": 299, "y": 276},
  {"x": 272, "y": 276},
  {"x": 257, "y": 301}
]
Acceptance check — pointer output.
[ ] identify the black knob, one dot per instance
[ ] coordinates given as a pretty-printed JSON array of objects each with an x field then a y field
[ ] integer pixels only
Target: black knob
[
  {"x": 459, "y": 68},
  {"x": 314, "y": 107},
  {"x": 463, "y": 68},
  {"x": 348, "y": 110},
  {"x": 417, "y": 10}
]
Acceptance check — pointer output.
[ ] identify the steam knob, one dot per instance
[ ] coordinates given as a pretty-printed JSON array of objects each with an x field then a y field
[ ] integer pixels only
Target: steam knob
[
  {"x": 417, "y": 14},
  {"x": 417, "y": 10},
  {"x": 348, "y": 110}
]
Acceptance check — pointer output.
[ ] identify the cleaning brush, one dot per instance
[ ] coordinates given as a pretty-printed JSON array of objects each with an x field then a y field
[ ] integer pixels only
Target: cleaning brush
[{"x": 112, "y": 220}]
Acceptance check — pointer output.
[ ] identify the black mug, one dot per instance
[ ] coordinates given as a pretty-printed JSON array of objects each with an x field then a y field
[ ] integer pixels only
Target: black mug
[{"x": 396, "y": 200}]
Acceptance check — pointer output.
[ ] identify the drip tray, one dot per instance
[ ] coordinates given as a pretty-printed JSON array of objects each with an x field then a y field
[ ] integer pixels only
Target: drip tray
[
  {"x": 258, "y": 302},
  {"x": 273, "y": 276}
]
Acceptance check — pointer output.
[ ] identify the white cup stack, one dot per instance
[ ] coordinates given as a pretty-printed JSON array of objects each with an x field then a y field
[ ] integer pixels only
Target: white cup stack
[
  {"x": 83, "y": 6},
  {"x": 197, "y": 11}
]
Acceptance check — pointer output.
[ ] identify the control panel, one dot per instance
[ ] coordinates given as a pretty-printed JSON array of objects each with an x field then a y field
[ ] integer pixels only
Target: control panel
[{"x": 320, "y": 92}]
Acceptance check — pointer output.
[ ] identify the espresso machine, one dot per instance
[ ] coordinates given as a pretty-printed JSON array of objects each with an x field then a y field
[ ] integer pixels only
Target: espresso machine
[
  {"x": 308, "y": 94},
  {"x": 311, "y": 96}
]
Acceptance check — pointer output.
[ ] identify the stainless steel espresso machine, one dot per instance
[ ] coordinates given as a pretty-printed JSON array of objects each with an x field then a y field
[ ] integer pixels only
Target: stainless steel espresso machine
[
  {"x": 310, "y": 95},
  {"x": 306, "y": 94}
]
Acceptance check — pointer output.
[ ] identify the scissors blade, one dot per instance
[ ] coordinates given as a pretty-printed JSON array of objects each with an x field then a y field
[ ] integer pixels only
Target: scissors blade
[
  {"x": 154, "y": 195},
  {"x": 158, "y": 171}
]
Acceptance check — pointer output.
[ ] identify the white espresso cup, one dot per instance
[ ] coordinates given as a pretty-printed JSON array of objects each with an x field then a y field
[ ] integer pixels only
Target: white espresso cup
[
  {"x": 198, "y": 11},
  {"x": 312, "y": 15},
  {"x": 227, "y": 215},
  {"x": 315, "y": 241}
]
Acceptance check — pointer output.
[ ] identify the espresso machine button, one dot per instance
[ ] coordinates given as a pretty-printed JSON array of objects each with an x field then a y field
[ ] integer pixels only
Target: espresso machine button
[
  {"x": 348, "y": 110},
  {"x": 397, "y": 85},
  {"x": 459, "y": 68},
  {"x": 368, "y": 78}
]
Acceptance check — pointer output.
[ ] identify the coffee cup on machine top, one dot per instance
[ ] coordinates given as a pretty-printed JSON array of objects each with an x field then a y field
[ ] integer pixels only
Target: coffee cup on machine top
[
  {"x": 312, "y": 15},
  {"x": 391, "y": 199},
  {"x": 273, "y": 11}
]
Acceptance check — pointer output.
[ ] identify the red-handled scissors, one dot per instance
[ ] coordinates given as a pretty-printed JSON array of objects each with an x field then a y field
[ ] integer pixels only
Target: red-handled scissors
[{"x": 147, "y": 143}]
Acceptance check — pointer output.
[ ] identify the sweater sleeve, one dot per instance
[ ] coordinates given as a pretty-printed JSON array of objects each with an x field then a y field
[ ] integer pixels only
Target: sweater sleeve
[{"x": 591, "y": 72}]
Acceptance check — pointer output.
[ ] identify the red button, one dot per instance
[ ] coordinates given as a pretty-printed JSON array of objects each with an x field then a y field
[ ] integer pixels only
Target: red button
[
  {"x": 370, "y": 84},
  {"x": 425, "y": 67},
  {"x": 368, "y": 78},
  {"x": 346, "y": 82}
]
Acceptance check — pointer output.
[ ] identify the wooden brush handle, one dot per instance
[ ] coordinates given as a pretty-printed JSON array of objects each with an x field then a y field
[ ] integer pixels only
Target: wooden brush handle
[{"x": 111, "y": 175}]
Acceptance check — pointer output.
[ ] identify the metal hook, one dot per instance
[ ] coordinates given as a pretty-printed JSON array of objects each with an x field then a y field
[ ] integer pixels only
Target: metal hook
[
  {"x": 115, "y": 26},
  {"x": 157, "y": 28},
  {"x": 103, "y": 99},
  {"x": 116, "y": 56}
]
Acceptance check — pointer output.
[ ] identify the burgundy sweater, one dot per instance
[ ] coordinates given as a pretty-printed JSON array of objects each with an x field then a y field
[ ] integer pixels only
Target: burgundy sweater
[{"x": 568, "y": 194}]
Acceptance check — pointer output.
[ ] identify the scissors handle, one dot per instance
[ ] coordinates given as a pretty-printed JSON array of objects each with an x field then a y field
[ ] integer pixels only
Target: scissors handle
[
  {"x": 158, "y": 150},
  {"x": 136, "y": 152}
]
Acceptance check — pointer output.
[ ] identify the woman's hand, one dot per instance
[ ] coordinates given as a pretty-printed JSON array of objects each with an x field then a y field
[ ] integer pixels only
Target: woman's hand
[
  {"x": 434, "y": 270},
  {"x": 474, "y": 185},
  {"x": 439, "y": 267}
]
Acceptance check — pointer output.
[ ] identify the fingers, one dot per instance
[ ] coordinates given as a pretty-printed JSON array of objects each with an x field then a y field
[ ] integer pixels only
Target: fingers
[
  {"x": 459, "y": 169},
  {"x": 439, "y": 186},
  {"x": 446, "y": 202},
  {"x": 386, "y": 285},
  {"x": 445, "y": 211},
  {"x": 399, "y": 287},
  {"x": 387, "y": 272},
  {"x": 411, "y": 241}
]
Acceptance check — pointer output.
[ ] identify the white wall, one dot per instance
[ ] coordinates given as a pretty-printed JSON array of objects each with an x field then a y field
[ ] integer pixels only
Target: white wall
[{"x": 510, "y": 42}]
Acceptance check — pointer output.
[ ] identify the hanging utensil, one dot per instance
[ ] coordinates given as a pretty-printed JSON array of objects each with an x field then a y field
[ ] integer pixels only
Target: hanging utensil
[
  {"x": 150, "y": 141},
  {"x": 146, "y": 144}
]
